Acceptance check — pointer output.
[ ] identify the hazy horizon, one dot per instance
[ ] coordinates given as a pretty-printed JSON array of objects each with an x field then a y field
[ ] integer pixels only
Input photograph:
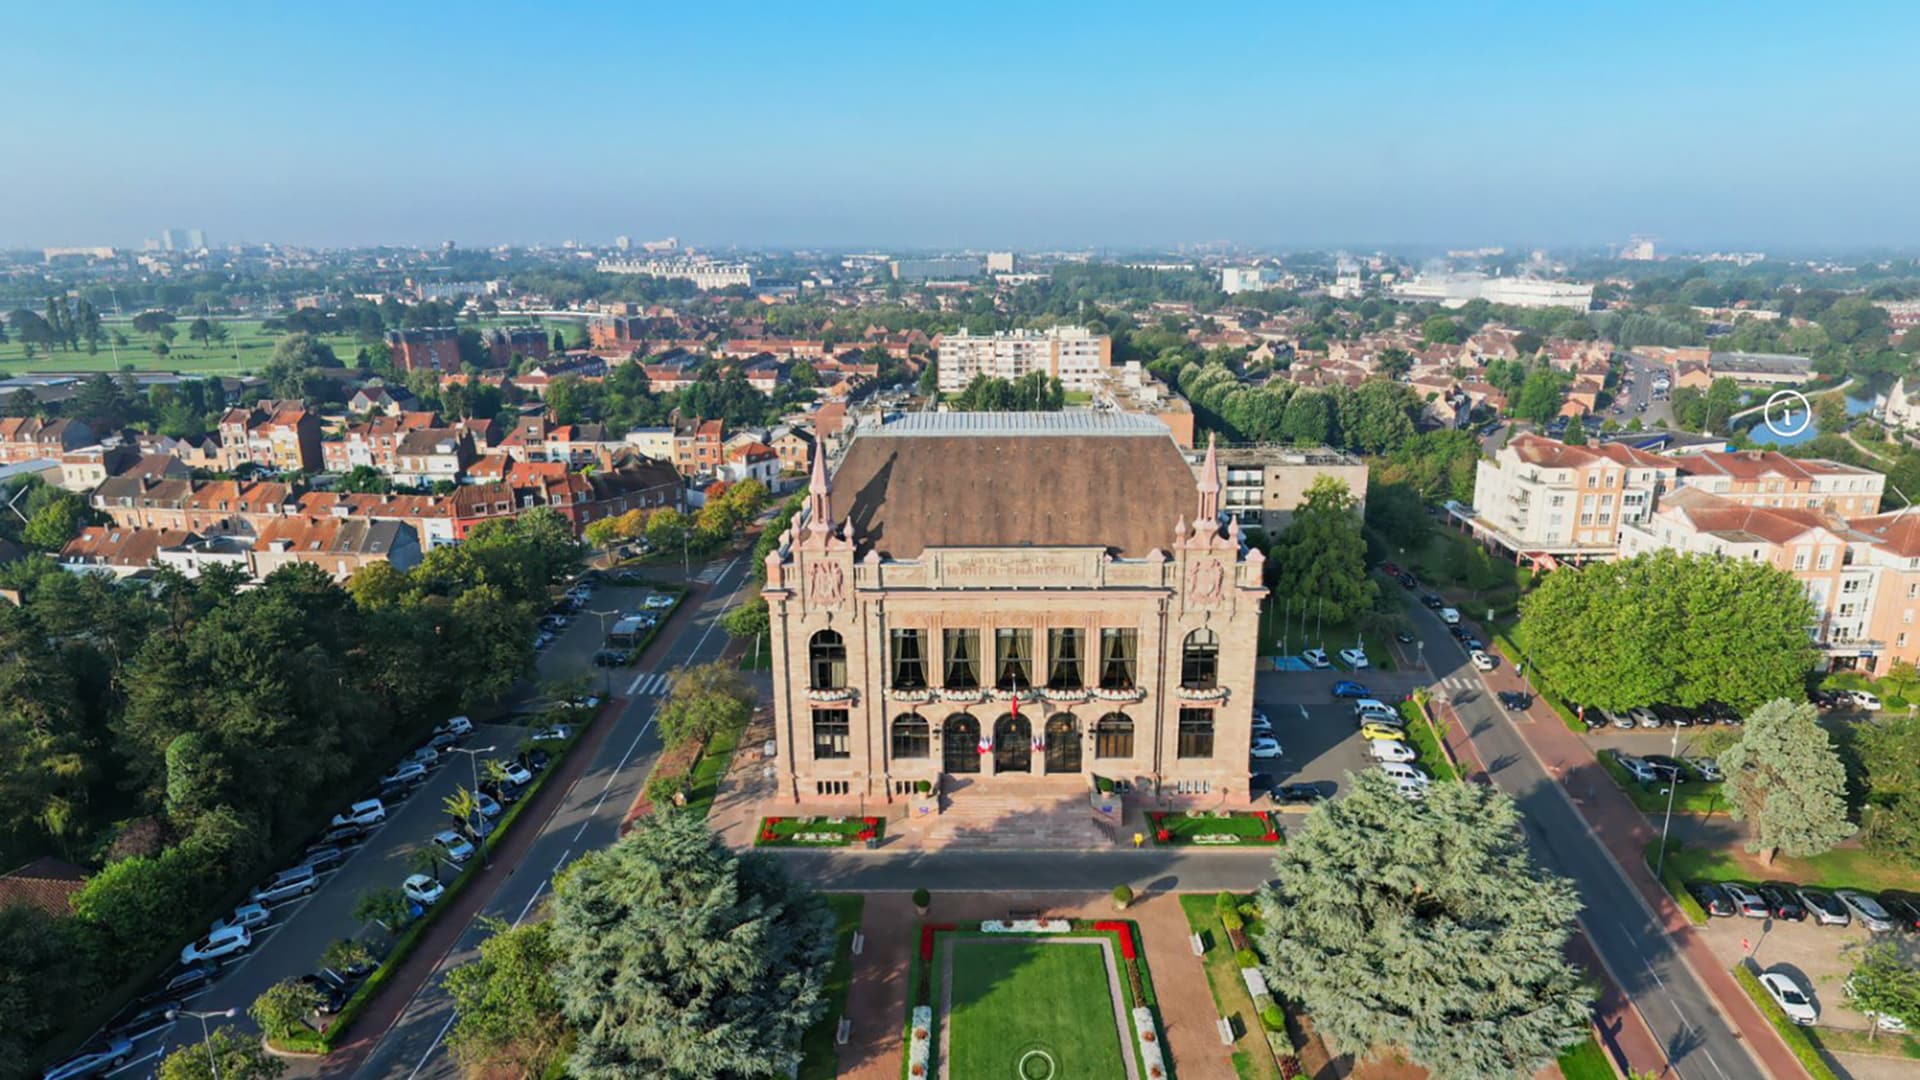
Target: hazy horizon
[{"x": 1105, "y": 127}]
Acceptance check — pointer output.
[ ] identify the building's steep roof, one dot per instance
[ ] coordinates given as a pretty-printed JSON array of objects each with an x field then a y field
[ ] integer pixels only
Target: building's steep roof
[{"x": 978, "y": 482}]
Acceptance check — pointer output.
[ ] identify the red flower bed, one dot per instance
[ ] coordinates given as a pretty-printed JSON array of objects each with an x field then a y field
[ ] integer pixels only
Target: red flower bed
[
  {"x": 926, "y": 944},
  {"x": 1162, "y": 835},
  {"x": 1125, "y": 930},
  {"x": 767, "y": 835},
  {"x": 1270, "y": 836}
]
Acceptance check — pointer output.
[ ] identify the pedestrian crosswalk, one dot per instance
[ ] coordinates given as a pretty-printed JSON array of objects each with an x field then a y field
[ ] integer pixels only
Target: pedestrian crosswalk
[
  {"x": 649, "y": 684},
  {"x": 711, "y": 572},
  {"x": 1459, "y": 682}
]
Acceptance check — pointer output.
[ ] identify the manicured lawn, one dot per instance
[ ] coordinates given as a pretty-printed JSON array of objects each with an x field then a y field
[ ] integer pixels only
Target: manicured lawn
[
  {"x": 703, "y": 782},
  {"x": 1251, "y": 1058},
  {"x": 1022, "y": 997},
  {"x": 1841, "y": 868},
  {"x": 821, "y": 1062},
  {"x": 1237, "y": 828},
  {"x": 1426, "y": 742},
  {"x": 248, "y": 348},
  {"x": 1693, "y": 797},
  {"x": 759, "y": 655},
  {"x": 1329, "y": 636},
  {"x": 816, "y": 831},
  {"x": 1586, "y": 1062}
]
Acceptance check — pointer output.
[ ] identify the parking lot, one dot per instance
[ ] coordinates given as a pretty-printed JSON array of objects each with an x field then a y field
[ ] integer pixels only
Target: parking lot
[
  {"x": 290, "y": 944},
  {"x": 1319, "y": 741},
  {"x": 1818, "y": 957}
]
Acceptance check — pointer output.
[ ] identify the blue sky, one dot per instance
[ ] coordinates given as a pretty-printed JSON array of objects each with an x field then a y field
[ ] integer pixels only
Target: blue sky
[{"x": 982, "y": 124}]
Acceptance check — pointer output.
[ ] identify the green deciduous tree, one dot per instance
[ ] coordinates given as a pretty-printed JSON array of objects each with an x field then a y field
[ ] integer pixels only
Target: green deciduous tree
[
  {"x": 1889, "y": 753},
  {"x": 1669, "y": 629},
  {"x": 283, "y": 1008},
  {"x": 705, "y": 699},
  {"x": 682, "y": 960},
  {"x": 1885, "y": 983},
  {"x": 1425, "y": 927},
  {"x": 748, "y": 620},
  {"x": 385, "y": 907},
  {"x": 1321, "y": 557},
  {"x": 507, "y": 1005},
  {"x": 1541, "y": 396},
  {"x": 223, "y": 1056},
  {"x": 1785, "y": 778}
]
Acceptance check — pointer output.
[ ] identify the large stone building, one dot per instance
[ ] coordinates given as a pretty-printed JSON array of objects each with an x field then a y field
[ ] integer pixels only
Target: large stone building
[{"x": 1016, "y": 603}]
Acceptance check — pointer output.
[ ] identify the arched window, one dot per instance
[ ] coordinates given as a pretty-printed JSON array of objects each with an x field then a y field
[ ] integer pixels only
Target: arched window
[
  {"x": 1200, "y": 660},
  {"x": 911, "y": 736},
  {"x": 1113, "y": 736},
  {"x": 827, "y": 661},
  {"x": 960, "y": 743}
]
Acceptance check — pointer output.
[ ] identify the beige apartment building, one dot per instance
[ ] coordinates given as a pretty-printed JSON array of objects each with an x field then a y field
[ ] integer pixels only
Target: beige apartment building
[
  {"x": 1013, "y": 604},
  {"x": 1073, "y": 354},
  {"x": 1545, "y": 499},
  {"x": 1264, "y": 484},
  {"x": 1768, "y": 478}
]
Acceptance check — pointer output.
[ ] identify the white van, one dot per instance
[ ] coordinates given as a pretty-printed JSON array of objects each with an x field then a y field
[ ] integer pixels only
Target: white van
[
  {"x": 1450, "y": 616},
  {"x": 1389, "y": 750},
  {"x": 1370, "y": 708},
  {"x": 1403, "y": 774}
]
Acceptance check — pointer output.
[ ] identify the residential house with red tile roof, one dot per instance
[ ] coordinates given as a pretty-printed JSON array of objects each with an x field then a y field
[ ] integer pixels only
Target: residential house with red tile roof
[
  {"x": 45, "y": 883},
  {"x": 338, "y": 546},
  {"x": 29, "y": 438}
]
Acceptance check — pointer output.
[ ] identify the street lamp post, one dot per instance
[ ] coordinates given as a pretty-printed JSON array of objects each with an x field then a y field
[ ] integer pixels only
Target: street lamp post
[
  {"x": 1673, "y": 782},
  {"x": 473, "y": 760},
  {"x": 606, "y": 672},
  {"x": 206, "y": 1037}
]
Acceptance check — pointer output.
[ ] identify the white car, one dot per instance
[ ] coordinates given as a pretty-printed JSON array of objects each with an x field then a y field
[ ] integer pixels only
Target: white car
[
  {"x": 1389, "y": 750},
  {"x": 422, "y": 890},
  {"x": 459, "y": 725},
  {"x": 588, "y": 701},
  {"x": 453, "y": 845},
  {"x": 1883, "y": 1021},
  {"x": 659, "y": 600},
  {"x": 556, "y": 733},
  {"x": 218, "y": 944},
  {"x": 246, "y": 915},
  {"x": 1481, "y": 660},
  {"x": 1866, "y": 909},
  {"x": 364, "y": 812},
  {"x": 518, "y": 775},
  {"x": 407, "y": 772},
  {"x": 1354, "y": 658},
  {"x": 1864, "y": 700},
  {"x": 1316, "y": 658},
  {"x": 1791, "y": 997},
  {"x": 1266, "y": 746}
]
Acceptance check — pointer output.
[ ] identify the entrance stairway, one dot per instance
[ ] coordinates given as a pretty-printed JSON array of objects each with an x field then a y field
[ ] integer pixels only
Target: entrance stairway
[{"x": 1016, "y": 814}]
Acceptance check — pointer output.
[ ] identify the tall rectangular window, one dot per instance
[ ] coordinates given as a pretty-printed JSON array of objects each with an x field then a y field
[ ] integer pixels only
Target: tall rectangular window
[
  {"x": 960, "y": 649},
  {"x": 1063, "y": 659},
  {"x": 909, "y": 661},
  {"x": 1119, "y": 651},
  {"x": 1196, "y": 733},
  {"x": 832, "y": 734},
  {"x": 1013, "y": 658}
]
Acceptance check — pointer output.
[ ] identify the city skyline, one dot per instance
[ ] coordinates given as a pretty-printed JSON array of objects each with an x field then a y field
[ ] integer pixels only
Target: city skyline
[{"x": 1073, "y": 127}]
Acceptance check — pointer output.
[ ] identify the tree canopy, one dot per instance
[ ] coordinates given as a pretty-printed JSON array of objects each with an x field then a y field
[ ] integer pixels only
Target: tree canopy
[
  {"x": 506, "y": 1005},
  {"x": 1320, "y": 559},
  {"x": 1669, "y": 629},
  {"x": 1425, "y": 926},
  {"x": 1785, "y": 777},
  {"x": 683, "y": 960}
]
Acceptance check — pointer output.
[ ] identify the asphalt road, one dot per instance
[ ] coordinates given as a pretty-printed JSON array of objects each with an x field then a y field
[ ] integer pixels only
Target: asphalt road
[
  {"x": 589, "y": 817},
  {"x": 1638, "y": 954},
  {"x": 1641, "y": 393}
]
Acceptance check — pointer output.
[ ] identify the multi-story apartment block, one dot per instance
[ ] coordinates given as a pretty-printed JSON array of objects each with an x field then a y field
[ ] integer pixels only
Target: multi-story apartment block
[
  {"x": 1542, "y": 498},
  {"x": 507, "y": 342},
  {"x": 431, "y": 455},
  {"x": 1073, "y": 354},
  {"x": 698, "y": 447},
  {"x": 282, "y": 436},
  {"x": 1767, "y": 478},
  {"x": 1264, "y": 484},
  {"x": 435, "y": 348},
  {"x": 704, "y": 273},
  {"x": 27, "y": 438}
]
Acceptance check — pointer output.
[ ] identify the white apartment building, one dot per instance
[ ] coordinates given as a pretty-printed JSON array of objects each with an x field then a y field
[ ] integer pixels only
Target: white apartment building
[
  {"x": 705, "y": 274},
  {"x": 1456, "y": 290},
  {"x": 1239, "y": 279},
  {"x": 1073, "y": 354},
  {"x": 1544, "y": 498}
]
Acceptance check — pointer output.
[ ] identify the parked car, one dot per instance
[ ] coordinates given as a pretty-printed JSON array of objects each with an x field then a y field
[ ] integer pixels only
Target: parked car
[
  {"x": 1481, "y": 660},
  {"x": 407, "y": 772},
  {"x": 1636, "y": 767},
  {"x": 1265, "y": 747},
  {"x": 1644, "y": 717},
  {"x": 1863, "y": 699},
  {"x": 587, "y": 702},
  {"x": 1669, "y": 768},
  {"x": 137, "y": 1021},
  {"x": 555, "y": 733},
  {"x": 441, "y": 740},
  {"x": 659, "y": 600},
  {"x": 1883, "y": 1021},
  {"x": 93, "y": 1059},
  {"x": 1432, "y": 602},
  {"x": 1347, "y": 688},
  {"x": 1748, "y": 902},
  {"x": 1392, "y": 570},
  {"x": 458, "y": 725},
  {"x": 1713, "y": 899},
  {"x": 332, "y": 995},
  {"x": 1620, "y": 720},
  {"x": 1316, "y": 658},
  {"x": 1390, "y": 750},
  {"x": 1404, "y": 637},
  {"x": 1783, "y": 901},
  {"x": 1904, "y": 907},
  {"x": 1371, "y": 731},
  {"x": 1705, "y": 768},
  {"x": 453, "y": 845},
  {"x": 1404, "y": 772},
  {"x": 1868, "y": 910},
  {"x": 1354, "y": 658},
  {"x": 218, "y": 945},
  {"x": 1793, "y": 999},
  {"x": 1306, "y": 791},
  {"x": 426, "y": 757},
  {"x": 1408, "y": 581},
  {"x": 1675, "y": 717},
  {"x": 611, "y": 658},
  {"x": 182, "y": 984},
  {"x": 395, "y": 793},
  {"x": 324, "y": 857},
  {"x": 533, "y": 759},
  {"x": 518, "y": 774},
  {"x": 349, "y": 833},
  {"x": 286, "y": 885},
  {"x": 1826, "y": 910},
  {"x": 422, "y": 889},
  {"x": 246, "y": 915},
  {"x": 1830, "y": 699},
  {"x": 1515, "y": 700}
]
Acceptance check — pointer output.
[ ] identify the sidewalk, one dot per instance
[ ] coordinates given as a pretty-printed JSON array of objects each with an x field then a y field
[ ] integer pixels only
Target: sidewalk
[{"x": 1624, "y": 832}]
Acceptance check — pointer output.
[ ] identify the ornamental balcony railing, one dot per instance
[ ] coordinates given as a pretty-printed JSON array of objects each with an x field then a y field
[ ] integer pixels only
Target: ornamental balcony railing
[
  {"x": 917, "y": 695},
  {"x": 954, "y": 693},
  {"x": 1203, "y": 693},
  {"x": 1066, "y": 693},
  {"x": 836, "y": 694},
  {"x": 1131, "y": 693}
]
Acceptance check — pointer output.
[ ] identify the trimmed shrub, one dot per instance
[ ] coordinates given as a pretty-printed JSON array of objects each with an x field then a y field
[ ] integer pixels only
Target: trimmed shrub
[
  {"x": 1122, "y": 895},
  {"x": 1247, "y": 958},
  {"x": 1273, "y": 1019},
  {"x": 921, "y": 898},
  {"x": 1225, "y": 902},
  {"x": 1232, "y": 921}
]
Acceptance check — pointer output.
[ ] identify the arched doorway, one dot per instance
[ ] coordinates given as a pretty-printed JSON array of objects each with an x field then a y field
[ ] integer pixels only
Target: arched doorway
[
  {"x": 1063, "y": 743},
  {"x": 960, "y": 744},
  {"x": 1012, "y": 744}
]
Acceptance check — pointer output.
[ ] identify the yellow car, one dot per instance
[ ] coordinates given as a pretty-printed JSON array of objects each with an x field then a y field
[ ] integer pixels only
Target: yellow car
[{"x": 1382, "y": 731}]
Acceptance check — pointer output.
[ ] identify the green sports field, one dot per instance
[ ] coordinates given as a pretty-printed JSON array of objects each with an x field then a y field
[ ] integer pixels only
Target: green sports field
[{"x": 1021, "y": 1006}]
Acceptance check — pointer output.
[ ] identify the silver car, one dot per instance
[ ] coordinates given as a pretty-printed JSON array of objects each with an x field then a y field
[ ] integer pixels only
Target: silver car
[{"x": 1866, "y": 909}]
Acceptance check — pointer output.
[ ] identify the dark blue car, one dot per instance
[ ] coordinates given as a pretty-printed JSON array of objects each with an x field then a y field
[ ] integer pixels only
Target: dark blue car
[{"x": 1347, "y": 688}]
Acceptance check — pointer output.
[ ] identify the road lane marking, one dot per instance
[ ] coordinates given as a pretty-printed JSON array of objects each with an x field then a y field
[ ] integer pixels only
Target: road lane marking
[
  {"x": 435, "y": 1045},
  {"x": 148, "y": 1056}
]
